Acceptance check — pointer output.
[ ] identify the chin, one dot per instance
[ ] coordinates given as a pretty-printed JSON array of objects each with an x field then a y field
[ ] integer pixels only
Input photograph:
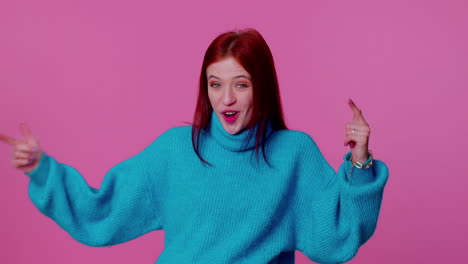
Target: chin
[{"x": 232, "y": 131}]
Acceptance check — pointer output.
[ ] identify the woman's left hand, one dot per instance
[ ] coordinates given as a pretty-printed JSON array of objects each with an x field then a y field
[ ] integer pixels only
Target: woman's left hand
[{"x": 357, "y": 135}]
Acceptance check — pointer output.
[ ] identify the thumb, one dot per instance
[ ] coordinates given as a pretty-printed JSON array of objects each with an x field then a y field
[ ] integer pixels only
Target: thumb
[{"x": 30, "y": 139}]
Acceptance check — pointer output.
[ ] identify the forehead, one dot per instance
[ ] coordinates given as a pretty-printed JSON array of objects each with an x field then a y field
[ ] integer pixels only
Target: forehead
[{"x": 226, "y": 68}]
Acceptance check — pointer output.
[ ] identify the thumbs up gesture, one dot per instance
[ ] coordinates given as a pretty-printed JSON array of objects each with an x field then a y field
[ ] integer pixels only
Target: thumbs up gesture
[
  {"x": 357, "y": 134},
  {"x": 26, "y": 153}
]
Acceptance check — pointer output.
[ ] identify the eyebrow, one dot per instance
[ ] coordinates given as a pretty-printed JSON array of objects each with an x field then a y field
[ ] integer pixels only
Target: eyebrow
[{"x": 235, "y": 77}]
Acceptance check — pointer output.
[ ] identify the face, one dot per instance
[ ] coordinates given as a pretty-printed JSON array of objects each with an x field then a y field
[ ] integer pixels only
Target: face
[{"x": 231, "y": 94}]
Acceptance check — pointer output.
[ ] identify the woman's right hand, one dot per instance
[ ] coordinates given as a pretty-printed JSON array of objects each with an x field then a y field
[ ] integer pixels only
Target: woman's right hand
[{"x": 26, "y": 153}]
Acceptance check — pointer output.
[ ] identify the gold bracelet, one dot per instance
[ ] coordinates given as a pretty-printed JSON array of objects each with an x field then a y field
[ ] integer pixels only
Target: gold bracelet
[{"x": 359, "y": 165}]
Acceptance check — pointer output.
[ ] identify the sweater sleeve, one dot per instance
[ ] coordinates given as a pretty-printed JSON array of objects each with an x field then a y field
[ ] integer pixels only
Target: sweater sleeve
[
  {"x": 335, "y": 213},
  {"x": 124, "y": 208}
]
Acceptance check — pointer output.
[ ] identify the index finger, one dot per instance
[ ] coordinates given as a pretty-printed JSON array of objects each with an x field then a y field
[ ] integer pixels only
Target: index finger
[
  {"x": 353, "y": 106},
  {"x": 9, "y": 140},
  {"x": 357, "y": 113}
]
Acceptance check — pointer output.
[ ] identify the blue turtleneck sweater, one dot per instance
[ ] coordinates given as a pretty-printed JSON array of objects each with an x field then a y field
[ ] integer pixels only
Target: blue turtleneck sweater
[{"x": 238, "y": 210}]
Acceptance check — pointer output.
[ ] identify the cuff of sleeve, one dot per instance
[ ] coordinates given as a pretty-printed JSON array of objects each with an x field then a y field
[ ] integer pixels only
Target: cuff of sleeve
[
  {"x": 355, "y": 175},
  {"x": 39, "y": 174}
]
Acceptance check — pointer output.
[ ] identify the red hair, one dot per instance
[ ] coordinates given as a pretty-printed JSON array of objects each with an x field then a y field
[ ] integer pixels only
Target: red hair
[{"x": 252, "y": 52}]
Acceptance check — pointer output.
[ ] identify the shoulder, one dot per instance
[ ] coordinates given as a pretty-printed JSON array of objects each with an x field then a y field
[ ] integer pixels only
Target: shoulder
[
  {"x": 173, "y": 135},
  {"x": 178, "y": 131}
]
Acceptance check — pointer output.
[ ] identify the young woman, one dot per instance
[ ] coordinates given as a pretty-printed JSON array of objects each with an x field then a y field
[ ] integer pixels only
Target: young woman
[{"x": 236, "y": 186}]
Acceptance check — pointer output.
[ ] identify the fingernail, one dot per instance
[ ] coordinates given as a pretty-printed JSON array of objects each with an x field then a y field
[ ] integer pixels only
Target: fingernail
[{"x": 351, "y": 100}]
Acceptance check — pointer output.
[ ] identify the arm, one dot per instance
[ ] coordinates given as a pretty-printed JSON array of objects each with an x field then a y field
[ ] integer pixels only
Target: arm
[
  {"x": 121, "y": 210},
  {"x": 335, "y": 215}
]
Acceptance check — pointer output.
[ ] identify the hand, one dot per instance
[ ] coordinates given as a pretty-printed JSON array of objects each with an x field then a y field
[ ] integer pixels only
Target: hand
[
  {"x": 359, "y": 140},
  {"x": 26, "y": 153}
]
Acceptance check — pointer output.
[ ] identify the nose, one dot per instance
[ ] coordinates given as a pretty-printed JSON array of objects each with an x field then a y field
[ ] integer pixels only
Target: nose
[{"x": 228, "y": 97}]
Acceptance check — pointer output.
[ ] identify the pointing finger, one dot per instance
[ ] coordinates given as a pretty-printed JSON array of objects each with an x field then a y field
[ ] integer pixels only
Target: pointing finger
[
  {"x": 353, "y": 106},
  {"x": 9, "y": 140},
  {"x": 357, "y": 113}
]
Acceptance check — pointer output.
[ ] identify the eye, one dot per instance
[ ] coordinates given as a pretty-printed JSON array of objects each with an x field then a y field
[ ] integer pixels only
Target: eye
[
  {"x": 242, "y": 85},
  {"x": 214, "y": 84}
]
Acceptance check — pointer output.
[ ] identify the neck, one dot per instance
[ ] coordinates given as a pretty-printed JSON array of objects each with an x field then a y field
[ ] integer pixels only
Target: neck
[{"x": 244, "y": 140}]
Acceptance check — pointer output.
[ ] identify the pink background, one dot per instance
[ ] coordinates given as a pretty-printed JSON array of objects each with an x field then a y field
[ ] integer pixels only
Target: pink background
[{"x": 97, "y": 81}]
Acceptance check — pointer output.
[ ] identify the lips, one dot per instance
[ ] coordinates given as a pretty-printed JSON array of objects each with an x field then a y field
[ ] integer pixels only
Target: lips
[{"x": 230, "y": 115}]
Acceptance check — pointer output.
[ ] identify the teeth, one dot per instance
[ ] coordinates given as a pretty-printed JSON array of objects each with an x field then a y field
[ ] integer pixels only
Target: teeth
[{"x": 230, "y": 113}]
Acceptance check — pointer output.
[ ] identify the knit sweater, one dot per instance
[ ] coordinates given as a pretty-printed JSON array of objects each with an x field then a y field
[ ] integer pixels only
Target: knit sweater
[{"x": 239, "y": 209}]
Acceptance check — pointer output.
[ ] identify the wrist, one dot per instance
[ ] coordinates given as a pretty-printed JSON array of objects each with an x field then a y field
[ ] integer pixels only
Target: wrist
[
  {"x": 361, "y": 159},
  {"x": 363, "y": 163}
]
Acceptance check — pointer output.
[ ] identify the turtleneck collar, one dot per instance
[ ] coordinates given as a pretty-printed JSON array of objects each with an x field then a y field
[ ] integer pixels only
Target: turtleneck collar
[{"x": 237, "y": 142}]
